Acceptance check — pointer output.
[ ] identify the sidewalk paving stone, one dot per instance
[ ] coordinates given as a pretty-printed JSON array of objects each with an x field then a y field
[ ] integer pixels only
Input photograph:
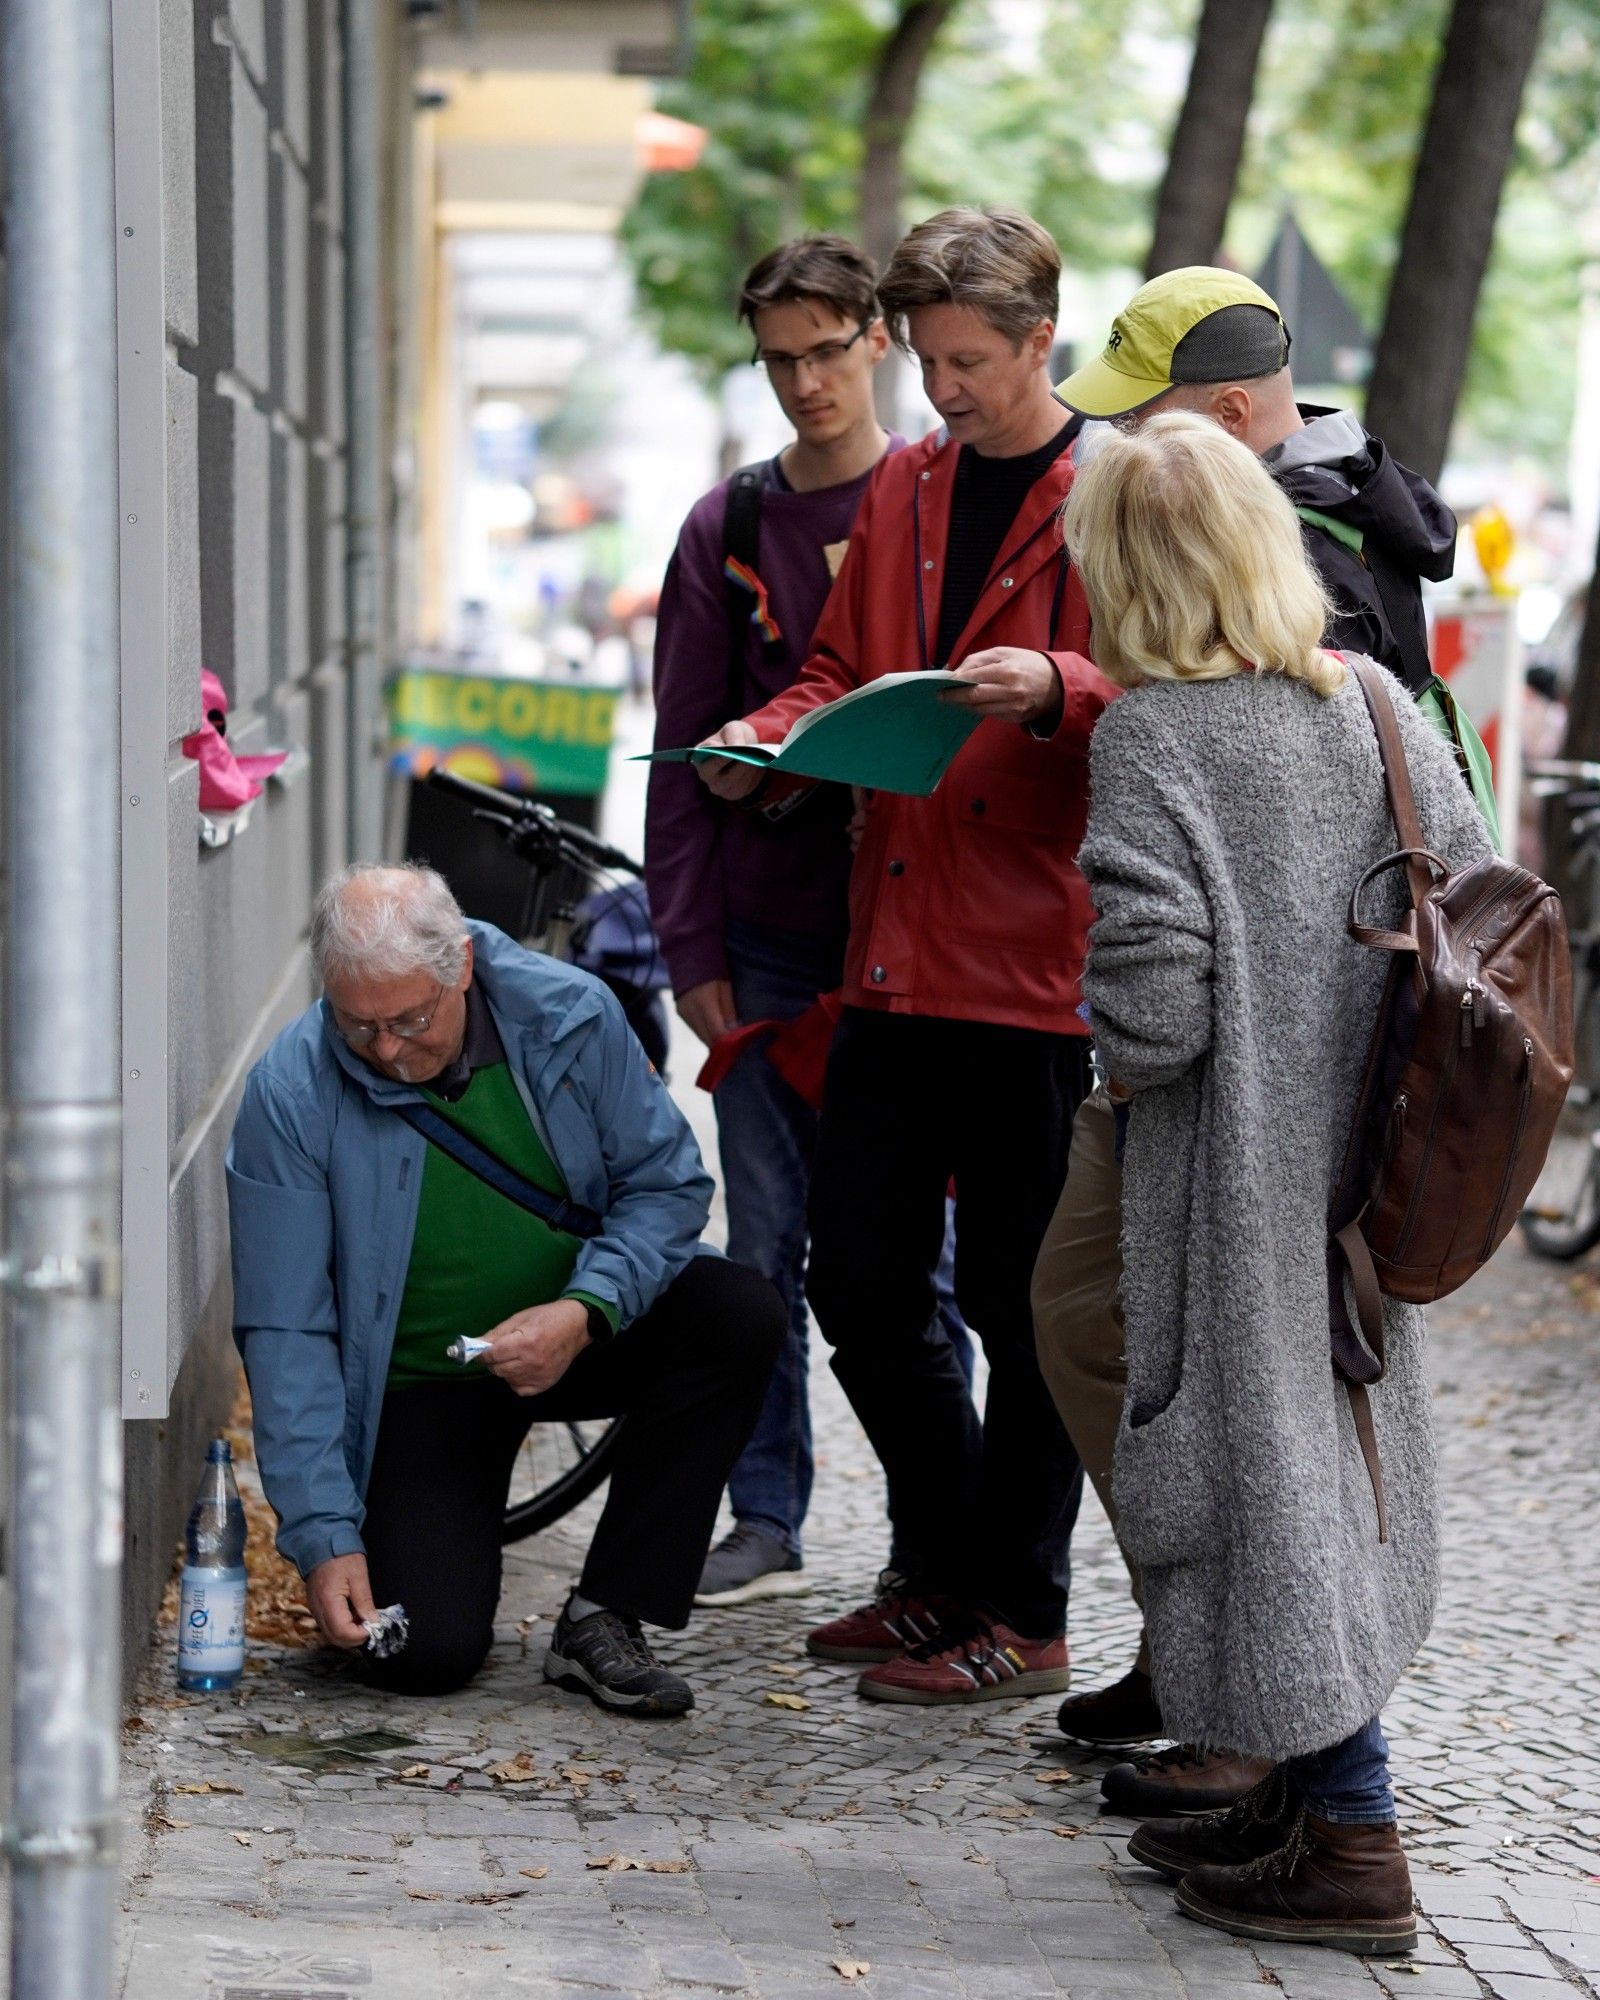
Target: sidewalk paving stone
[{"x": 917, "y": 1841}]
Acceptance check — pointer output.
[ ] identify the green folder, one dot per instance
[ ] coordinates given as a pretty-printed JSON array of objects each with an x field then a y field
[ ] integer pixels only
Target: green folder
[{"x": 896, "y": 734}]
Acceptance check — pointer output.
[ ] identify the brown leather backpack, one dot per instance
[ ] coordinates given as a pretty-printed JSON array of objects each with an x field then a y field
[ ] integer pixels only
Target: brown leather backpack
[{"x": 1466, "y": 1075}]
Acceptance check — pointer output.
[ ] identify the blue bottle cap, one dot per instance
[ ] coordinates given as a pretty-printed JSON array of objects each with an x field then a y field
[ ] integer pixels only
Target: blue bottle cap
[{"x": 219, "y": 1452}]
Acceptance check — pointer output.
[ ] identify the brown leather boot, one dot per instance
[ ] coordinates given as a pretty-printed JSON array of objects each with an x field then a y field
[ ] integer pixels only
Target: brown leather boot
[
  {"x": 1183, "y": 1779},
  {"x": 1347, "y": 1887},
  {"x": 1258, "y": 1825}
]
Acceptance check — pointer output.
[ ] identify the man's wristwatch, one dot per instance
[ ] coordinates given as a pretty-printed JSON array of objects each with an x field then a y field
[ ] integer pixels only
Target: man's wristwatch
[{"x": 600, "y": 1328}]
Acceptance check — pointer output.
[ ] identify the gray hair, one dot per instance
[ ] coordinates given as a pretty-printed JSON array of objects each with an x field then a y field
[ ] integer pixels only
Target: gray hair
[{"x": 384, "y": 921}]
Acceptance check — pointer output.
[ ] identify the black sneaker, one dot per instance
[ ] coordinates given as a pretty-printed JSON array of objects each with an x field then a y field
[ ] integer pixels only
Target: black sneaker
[
  {"x": 606, "y": 1658},
  {"x": 1114, "y": 1717}
]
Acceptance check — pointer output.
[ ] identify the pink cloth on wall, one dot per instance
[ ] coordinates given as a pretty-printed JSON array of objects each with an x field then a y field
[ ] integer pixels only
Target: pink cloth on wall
[{"x": 226, "y": 781}]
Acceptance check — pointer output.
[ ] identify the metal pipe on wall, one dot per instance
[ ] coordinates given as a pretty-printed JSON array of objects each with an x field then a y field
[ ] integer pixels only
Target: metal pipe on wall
[
  {"x": 63, "y": 1119},
  {"x": 363, "y": 226}
]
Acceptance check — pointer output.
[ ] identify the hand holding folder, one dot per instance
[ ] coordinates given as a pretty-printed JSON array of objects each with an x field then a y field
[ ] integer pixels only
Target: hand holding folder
[{"x": 898, "y": 733}]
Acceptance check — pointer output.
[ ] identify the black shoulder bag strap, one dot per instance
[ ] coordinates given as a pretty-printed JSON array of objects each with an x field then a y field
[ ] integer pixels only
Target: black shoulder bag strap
[
  {"x": 570, "y": 1218},
  {"x": 1401, "y": 600}
]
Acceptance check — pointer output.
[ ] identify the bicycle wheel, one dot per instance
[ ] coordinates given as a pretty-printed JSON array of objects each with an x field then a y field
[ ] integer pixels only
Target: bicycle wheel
[
  {"x": 558, "y": 1466},
  {"x": 1562, "y": 1216}
]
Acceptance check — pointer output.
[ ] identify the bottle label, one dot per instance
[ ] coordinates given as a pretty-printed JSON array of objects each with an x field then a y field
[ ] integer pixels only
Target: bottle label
[{"x": 211, "y": 1622}]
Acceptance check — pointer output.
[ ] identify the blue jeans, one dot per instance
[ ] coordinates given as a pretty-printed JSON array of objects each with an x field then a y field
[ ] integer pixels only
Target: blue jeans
[
  {"x": 1349, "y": 1782},
  {"x": 766, "y": 1135}
]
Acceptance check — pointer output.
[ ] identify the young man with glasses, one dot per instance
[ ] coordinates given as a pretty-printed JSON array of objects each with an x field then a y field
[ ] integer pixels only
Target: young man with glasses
[
  {"x": 463, "y": 1138},
  {"x": 751, "y": 903}
]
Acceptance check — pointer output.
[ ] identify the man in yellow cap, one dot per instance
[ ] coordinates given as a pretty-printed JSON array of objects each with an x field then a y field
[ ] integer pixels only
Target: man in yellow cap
[{"x": 1211, "y": 341}]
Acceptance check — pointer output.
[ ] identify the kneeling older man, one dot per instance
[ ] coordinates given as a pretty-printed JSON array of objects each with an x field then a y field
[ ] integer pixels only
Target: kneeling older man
[{"x": 366, "y": 1240}]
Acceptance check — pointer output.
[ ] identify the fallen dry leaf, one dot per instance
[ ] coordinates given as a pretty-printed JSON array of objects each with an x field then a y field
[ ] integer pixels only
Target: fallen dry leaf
[
  {"x": 1066, "y": 1832},
  {"x": 1013, "y": 1812},
  {"x": 852, "y": 1968},
  {"x": 425, "y": 1895},
  {"x": 243, "y": 1839},
  {"x": 851, "y": 1809},
  {"x": 844, "y": 1923},
  {"x": 775, "y": 1700},
  {"x": 615, "y": 1777},
  {"x": 135, "y": 1723},
  {"x": 518, "y": 1770},
  {"x": 484, "y": 1896},
  {"x": 163, "y": 1822},
  {"x": 415, "y": 1771},
  {"x": 534, "y": 1874},
  {"x": 783, "y": 1669},
  {"x": 1057, "y": 1778},
  {"x": 209, "y": 1786},
  {"x": 620, "y": 1864}
]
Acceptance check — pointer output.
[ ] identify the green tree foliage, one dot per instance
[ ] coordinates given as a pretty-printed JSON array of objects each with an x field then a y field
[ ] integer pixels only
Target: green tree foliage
[
  {"x": 1030, "y": 118},
  {"x": 1068, "y": 116},
  {"x": 1339, "y": 115},
  {"x": 780, "y": 85}
]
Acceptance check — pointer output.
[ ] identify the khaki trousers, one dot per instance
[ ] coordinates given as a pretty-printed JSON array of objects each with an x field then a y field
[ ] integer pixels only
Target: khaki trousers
[{"x": 1077, "y": 1312}]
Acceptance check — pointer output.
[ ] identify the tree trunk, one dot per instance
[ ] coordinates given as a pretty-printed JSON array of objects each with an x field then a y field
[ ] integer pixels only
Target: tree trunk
[
  {"x": 1583, "y": 711},
  {"x": 1421, "y": 360},
  {"x": 890, "y": 106},
  {"x": 1208, "y": 142}
]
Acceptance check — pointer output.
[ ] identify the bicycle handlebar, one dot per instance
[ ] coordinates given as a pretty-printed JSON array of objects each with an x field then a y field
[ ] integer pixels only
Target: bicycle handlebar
[
  {"x": 1577, "y": 772},
  {"x": 533, "y": 830}
]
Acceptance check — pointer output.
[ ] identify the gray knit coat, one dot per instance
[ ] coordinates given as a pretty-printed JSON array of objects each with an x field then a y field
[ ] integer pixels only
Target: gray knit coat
[{"x": 1230, "y": 821}]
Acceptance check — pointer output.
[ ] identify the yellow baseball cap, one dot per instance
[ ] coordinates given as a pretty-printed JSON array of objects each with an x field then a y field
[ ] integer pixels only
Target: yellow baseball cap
[{"x": 1184, "y": 326}]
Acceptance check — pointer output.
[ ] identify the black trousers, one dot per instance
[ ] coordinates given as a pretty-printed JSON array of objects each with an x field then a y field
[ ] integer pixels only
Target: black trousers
[
  {"x": 690, "y": 1376},
  {"x": 985, "y": 1509}
]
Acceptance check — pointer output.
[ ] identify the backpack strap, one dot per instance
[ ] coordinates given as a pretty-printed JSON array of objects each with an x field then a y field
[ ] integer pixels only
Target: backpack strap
[
  {"x": 1401, "y": 612},
  {"x": 1396, "y": 771},
  {"x": 569, "y": 1218},
  {"x": 741, "y": 552},
  {"x": 1358, "y": 1356}
]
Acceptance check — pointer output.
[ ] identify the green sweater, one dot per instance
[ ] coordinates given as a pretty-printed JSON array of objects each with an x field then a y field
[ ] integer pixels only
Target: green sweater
[{"x": 477, "y": 1257}]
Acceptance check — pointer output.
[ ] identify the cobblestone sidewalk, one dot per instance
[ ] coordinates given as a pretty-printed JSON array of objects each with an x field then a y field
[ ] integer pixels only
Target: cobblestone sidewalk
[
  {"x": 783, "y": 1842},
  {"x": 769, "y": 1847}
]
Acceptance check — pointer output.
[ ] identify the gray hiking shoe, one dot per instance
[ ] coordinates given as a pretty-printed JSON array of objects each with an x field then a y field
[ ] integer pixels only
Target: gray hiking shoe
[
  {"x": 607, "y": 1658},
  {"x": 748, "y": 1564}
]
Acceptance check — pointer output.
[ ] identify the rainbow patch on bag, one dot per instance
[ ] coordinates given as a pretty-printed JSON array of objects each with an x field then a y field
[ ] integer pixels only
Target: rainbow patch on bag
[{"x": 742, "y": 574}]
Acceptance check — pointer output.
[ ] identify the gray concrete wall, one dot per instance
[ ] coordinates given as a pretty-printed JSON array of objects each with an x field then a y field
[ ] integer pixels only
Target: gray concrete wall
[{"x": 253, "y": 256}]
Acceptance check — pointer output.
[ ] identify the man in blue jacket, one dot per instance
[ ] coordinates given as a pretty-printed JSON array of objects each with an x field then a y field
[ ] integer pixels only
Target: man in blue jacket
[{"x": 463, "y": 1138}]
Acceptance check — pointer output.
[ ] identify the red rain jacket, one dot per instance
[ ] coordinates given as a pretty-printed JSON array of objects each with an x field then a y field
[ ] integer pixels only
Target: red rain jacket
[{"x": 967, "y": 904}]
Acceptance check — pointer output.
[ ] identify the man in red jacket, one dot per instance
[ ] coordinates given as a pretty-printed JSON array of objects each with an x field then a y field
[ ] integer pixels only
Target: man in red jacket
[{"x": 961, "y": 1052}]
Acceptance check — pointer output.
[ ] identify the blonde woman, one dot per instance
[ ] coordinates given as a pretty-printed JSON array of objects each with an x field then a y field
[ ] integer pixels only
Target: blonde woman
[{"x": 1237, "y": 797}]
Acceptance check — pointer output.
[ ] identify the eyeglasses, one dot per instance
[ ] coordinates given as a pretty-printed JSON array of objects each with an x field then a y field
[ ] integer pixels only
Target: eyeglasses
[
  {"x": 825, "y": 358},
  {"x": 361, "y": 1034}
]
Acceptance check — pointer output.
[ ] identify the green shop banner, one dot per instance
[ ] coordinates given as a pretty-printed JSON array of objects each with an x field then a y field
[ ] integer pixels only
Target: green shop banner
[{"x": 523, "y": 735}]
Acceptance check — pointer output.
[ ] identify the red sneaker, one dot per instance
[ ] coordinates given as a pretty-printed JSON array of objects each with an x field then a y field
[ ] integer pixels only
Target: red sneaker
[
  {"x": 985, "y": 1662},
  {"x": 896, "y": 1619}
]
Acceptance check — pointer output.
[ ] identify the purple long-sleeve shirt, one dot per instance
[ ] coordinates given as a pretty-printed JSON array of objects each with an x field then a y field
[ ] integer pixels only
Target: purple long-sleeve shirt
[{"x": 707, "y": 862}]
